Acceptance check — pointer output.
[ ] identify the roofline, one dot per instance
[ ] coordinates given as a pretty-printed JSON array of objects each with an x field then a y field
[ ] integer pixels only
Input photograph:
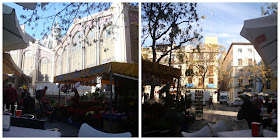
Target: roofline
[{"x": 237, "y": 43}]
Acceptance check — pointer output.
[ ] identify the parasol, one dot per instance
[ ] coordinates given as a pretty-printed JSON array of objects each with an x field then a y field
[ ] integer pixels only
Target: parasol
[
  {"x": 262, "y": 33},
  {"x": 13, "y": 37}
]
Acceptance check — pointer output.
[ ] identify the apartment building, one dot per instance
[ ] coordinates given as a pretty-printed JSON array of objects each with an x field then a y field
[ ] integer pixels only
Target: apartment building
[
  {"x": 238, "y": 57},
  {"x": 189, "y": 60}
]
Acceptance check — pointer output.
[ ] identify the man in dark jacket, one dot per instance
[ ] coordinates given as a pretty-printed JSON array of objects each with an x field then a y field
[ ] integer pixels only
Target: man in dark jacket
[
  {"x": 29, "y": 104},
  {"x": 11, "y": 97},
  {"x": 250, "y": 111}
]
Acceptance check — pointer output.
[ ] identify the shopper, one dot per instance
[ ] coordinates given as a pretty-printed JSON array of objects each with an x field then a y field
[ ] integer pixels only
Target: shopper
[
  {"x": 11, "y": 97},
  {"x": 211, "y": 101}
]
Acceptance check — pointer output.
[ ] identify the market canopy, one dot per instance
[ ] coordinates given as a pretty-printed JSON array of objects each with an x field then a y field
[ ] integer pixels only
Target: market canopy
[
  {"x": 154, "y": 72},
  {"x": 262, "y": 33},
  {"x": 13, "y": 37},
  {"x": 87, "y": 76},
  {"x": 9, "y": 66}
]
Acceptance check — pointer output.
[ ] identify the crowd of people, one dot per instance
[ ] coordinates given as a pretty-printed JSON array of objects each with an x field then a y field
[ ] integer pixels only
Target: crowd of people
[
  {"x": 22, "y": 99},
  {"x": 251, "y": 111}
]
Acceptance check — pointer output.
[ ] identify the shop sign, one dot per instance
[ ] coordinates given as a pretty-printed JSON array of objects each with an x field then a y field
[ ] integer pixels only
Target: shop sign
[
  {"x": 189, "y": 85},
  {"x": 211, "y": 85}
]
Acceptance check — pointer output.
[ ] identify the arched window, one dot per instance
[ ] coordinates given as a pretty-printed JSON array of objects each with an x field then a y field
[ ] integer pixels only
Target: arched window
[
  {"x": 58, "y": 65},
  {"x": 27, "y": 62},
  {"x": 65, "y": 61},
  {"x": 44, "y": 73},
  {"x": 76, "y": 52},
  {"x": 90, "y": 49},
  {"x": 107, "y": 46}
]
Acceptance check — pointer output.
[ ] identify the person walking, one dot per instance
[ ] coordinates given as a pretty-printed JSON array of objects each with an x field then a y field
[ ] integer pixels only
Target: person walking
[
  {"x": 41, "y": 93},
  {"x": 211, "y": 102},
  {"x": 11, "y": 97}
]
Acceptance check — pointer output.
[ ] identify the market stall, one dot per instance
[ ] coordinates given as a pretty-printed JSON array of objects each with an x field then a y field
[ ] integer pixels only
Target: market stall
[
  {"x": 111, "y": 73},
  {"x": 168, "y": 107}
]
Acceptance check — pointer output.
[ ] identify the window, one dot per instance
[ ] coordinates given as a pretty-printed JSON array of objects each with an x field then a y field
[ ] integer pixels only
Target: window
[
  {"x": 189, "y": 80},
  {"x": 108, "y": 32},
  {"x": 191, "y": 67},
  {"x": 239, "y": 50},
  {"x": 250, "y": 83},
  {"x": 44, "y": 70},
  {"x": 249, "y": 50},
  {"x": 90, "y": 50},
  {"x": 211, "y": 56},
  {"x": 268, "y": 84},
  {"x": 211, "y": 81},
  {"x": 27, "y": 62},
  {"x": 211, "y": 71},
  {"x": 240, "y": 82},
  {"x": 201, "y": 56},
  {"x": 250, "y": 62},
  {"x": 76, "y": 52},
  {"x": 191, "y": 56},
  {"x": 200, "y": 82},
  {"x": 240, "y": 71},
  {"x": 200, "y": 71},
  {"x": 239, "y": 62}
]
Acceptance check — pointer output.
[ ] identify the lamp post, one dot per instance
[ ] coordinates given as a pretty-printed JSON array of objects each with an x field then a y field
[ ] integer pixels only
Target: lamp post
[{"x": 171, "y": 39}]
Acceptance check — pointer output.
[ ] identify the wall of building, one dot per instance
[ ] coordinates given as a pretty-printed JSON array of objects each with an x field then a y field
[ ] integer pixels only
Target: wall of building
[
  {"x": 231, "y": 64},
  {"x": 88, "y": 42}
]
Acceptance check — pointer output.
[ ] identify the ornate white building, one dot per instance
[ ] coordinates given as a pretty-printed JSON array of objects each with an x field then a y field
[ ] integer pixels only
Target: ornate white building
[{"x": 110, "y": 35}]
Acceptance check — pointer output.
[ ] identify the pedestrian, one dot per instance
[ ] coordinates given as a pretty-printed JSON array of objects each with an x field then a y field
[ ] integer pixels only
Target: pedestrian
[
  {"x": 11, "y": 97},
  {"x": 76, "y": 98},
  {"x": 25, "y": 90},
  {"x": 271, "y": 106},
  {"x": 28, "y": 103},
  {"x": 41, "y": 93},
  {"x": 210, "y": 101}
]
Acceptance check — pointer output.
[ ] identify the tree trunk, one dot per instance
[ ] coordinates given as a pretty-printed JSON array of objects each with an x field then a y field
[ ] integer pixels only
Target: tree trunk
[{"x": 169, "y": 63}]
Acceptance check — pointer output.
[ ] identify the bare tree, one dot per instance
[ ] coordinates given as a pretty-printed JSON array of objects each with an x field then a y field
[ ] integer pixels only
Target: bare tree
[
  {"x": 63, "y": 14},
  {"x": 206, "y": 62},
  {"x": 176, "y": 23}
]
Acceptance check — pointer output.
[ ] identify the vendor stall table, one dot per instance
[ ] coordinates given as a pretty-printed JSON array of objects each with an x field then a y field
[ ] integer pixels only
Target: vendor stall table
[
  {"x": 29, "y": 132},
  {"x": 245, "y": 133}
]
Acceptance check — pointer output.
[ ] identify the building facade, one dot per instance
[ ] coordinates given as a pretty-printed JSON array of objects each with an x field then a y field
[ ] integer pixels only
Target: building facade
[
  {"x": 107, "y": 36},
  {"x": 186, "y": 59},
  {"x": 238, "y": 57}
]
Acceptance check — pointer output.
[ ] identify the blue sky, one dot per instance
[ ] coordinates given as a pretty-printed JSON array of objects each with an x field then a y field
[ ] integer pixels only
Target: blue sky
[
  {"x": 53, "y": 10},
  {"x": 227, "y": 20}
]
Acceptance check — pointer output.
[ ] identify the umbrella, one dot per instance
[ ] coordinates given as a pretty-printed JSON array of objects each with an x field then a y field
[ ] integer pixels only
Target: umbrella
[
  {"x": 13, "y": 37},
  {"x": 262, "y": 33},
  {"x": 9, "y": 66}
]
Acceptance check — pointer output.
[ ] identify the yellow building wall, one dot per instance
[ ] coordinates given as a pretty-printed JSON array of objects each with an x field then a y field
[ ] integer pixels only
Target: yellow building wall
[
  {"x": 273, "y": 86},
  {"x": 211, "y": 40}
]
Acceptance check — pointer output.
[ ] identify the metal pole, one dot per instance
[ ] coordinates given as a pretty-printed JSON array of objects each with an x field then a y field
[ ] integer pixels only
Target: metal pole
[
  {"x": 111, "y": 98},
  {"x": 59, "y": 94}
]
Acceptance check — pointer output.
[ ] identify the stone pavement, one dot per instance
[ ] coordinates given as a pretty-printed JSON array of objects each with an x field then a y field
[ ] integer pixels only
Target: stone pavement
[
  {"x": 65, "y": 129},
  {"x": 213, "y": 115}
]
